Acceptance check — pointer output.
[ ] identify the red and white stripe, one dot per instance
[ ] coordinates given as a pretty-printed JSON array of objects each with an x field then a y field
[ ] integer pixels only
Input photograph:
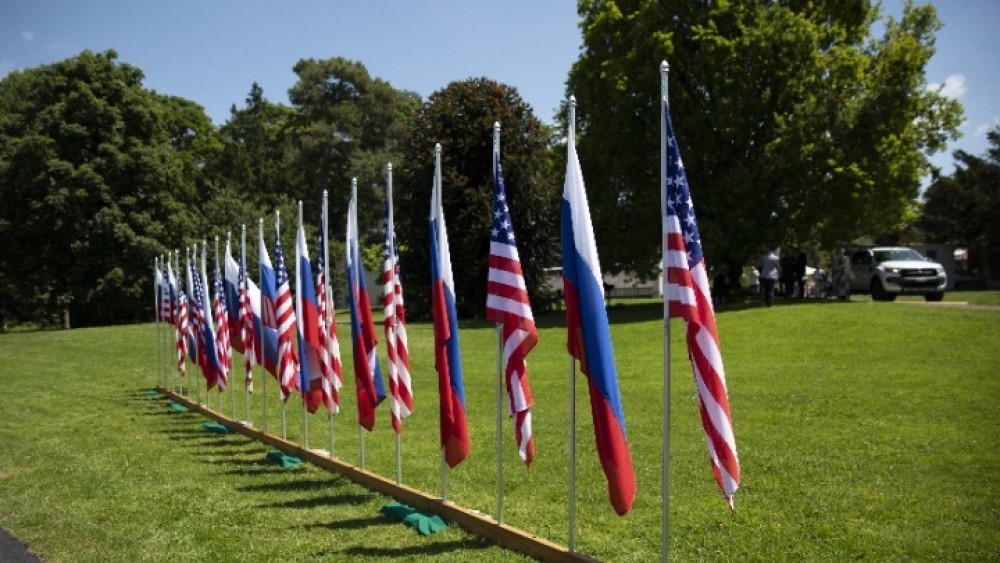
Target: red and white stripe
[
  {"x": 397, "y": 348},
  {"x": 329, "y": 355},
  {"x": 247, "y": 335},
  {"x": 288, "y": 362},
  {"x": 222, "y": 347},
  {"x": 181, "y": 333}
]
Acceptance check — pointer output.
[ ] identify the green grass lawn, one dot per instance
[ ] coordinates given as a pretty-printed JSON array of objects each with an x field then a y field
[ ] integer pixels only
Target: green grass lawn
[{"x": 865, "y": 431}]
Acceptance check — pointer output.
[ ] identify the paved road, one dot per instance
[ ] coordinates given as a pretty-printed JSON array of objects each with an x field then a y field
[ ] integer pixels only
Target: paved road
[{"x": 13, "y": 551}]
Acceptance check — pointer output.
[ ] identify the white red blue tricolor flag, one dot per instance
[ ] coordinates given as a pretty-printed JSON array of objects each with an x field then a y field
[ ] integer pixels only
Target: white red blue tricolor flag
[
  {"x": 367, "y": 373},
  {"x": 208, "y": 354},
  {"x": 397, "y": 347},
  {"x": 689, "y": 297},
  {"x": 447, "y": 359},
  {"x": 267, "y": 326},
  {"x": 307, "y": 312},
  {"x": 231, "y": 283},
  {"x": 589, "y": 337},
  {"x": 333, "y": 372},
  {"x": 507, "y": 304},
  {"x": 284, "y": 312}
]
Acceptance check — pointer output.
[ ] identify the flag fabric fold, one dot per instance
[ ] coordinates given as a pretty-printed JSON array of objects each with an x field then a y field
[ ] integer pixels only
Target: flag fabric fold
[
  {"x": 333, "y": 371},
  {"x": 284, "y": 311},
  {"x": 397, "y": 347},
  {"x": 222, "y": 343},
  {"x": 249, "y": 296},
  {"x": 208, "y": 355},
  {"x": 507, "y": 304},
  {"x": 689, "y": 297},
  {"x": 589, "y": 336},
  {"x": 447, "y": 358},
  {"x": 267, "y": 324},
  {"x": 231, "y": 284},
  {"x": 311, "y": 366},
  {"x": 370, "y": 388}
]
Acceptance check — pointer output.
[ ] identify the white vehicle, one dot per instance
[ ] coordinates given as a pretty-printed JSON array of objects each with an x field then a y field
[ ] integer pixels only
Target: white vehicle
[{"x": 888, "y": 271}]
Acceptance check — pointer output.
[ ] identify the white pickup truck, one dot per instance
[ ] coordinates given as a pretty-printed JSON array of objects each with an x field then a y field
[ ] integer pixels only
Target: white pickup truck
[{"x": 888, "y": 271}]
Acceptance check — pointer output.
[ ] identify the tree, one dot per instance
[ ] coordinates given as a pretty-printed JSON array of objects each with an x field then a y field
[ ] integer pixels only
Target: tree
[
  {"x": 796, "y": 124},
  {"x": 97, "y": 176},
  {"x": 963, "y": 208},
  {"x": 461, "y": 118}
]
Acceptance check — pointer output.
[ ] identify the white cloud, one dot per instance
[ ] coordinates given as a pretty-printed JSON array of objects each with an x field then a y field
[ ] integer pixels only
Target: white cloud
[
  {"x": 27, "y": 35},
  {"x": 986, "y": 127},
  {"x": 953, "y": 87}
]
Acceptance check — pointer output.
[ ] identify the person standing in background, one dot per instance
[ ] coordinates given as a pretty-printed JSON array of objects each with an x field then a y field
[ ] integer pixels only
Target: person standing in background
[{"x": 770, "y": 269}]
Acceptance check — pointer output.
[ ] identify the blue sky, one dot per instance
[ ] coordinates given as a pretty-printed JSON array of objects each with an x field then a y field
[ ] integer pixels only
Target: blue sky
[{"x": 211, "y": 51}]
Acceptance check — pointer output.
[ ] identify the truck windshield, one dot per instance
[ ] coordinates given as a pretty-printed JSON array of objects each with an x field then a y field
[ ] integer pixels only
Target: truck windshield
[{"x": 897, "y": 254}]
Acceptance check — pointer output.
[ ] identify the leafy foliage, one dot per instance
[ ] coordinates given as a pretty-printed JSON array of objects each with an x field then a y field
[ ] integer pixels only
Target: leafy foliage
[
  {"x": 963, "y": 208},
  {"x": 797, "y": 124},
  {"x": 97, "y": 176},
  {"x": 460, "y": 117}
]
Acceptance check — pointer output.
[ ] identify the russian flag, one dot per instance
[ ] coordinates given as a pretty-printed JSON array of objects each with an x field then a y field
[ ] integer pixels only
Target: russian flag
[
  {"x": 266, "y": 322},
  {"x": 589, "y": 337},
  {"x": 211, "y": 365},
  {"x": 231, "y": 288},
  {"x": 307, "y": 314},
  {"x": 367, "y": 373},
  {"x": 447, "y": 360}
]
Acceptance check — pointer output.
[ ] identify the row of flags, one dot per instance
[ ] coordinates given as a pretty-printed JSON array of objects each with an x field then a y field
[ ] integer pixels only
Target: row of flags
[{"x": 295, "y": 339}]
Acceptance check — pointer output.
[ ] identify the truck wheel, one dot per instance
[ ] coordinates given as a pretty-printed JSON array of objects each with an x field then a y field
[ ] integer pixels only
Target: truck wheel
[{"x": 879, "y": 293}]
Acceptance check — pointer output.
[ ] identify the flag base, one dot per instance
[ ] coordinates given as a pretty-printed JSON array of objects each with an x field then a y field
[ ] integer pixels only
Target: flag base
[
  {"x": 284, "y": 460},
  {"x": 423, "y": 523},
  {"x": 215, "y": 428},
  {"x": 176, "y": 407}
]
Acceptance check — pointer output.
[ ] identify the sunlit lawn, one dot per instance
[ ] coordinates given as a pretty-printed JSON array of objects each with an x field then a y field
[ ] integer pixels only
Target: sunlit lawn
[{"x": 865, "y": 430}]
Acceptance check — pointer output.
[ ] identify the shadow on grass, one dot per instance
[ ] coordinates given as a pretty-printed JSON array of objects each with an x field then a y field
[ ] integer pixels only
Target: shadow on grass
[
  {"x": 352, "y": 523},
  {"x": 291, "y": 486},
  {"x": 428, "y": 549},
  {"x": 326, "y": 500}
]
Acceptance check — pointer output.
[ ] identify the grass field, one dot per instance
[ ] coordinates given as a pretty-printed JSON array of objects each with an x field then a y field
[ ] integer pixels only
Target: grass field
[{"x": 865, "y": 431}]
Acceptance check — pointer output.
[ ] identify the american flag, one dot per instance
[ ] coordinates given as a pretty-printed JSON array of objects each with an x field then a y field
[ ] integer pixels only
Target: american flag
[
  {"x": 182, "y": 331},
  {"x": 330, "y": 347},
  {"x": 288, "y": 369},
  {"x": 165, "y": 304},
  {"x": 397, "y": 350},
  {"x": 222, "y": 343},
  {"x": 246, "y": 326},
  {"x": 689, "y": 297},
  {"x": 196, "y": 317},
  {"x": 507, "y": 304}
]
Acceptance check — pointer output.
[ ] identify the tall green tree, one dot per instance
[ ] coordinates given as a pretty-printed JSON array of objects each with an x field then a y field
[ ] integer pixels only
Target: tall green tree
[
  {"x": 963, "y": 208},
  {"x": 97, "y": 176},
  {"x": 797, "y": 122},
  {"x": 460, "y": 117}
]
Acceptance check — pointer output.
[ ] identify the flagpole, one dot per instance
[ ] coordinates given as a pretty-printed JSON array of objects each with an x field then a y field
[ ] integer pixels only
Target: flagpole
[
  {"x": 331, "y": 316},
  {"x": 665, "y": 478},
  {"x": 354, "y": 198},
  {"x": 284, "y": 429},
  {"x": 391, "y": 253},
  {"x": 218, "y": 386},
  {"x": 173, "y": 317},
  {"x": 176, "y": 265},
  {"x": 571, "y": 133},
  {"x": 156, "y": 318},
  {"x": 192, "y": 256},
  {"x": 499, "y": 378},
  {"x": 436, "y": 196},
  {"x": 246, "y": 291},
  {"x": 232, "y": 392},
  {"x": 263, "y": 352},
  {"x": 299, "y": 318}
]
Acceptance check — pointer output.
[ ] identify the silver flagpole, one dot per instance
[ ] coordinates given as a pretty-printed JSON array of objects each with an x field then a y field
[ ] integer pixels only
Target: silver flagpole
[
  {"x": 354, "y": 236},
  {"x": 499, "y": 378},
  {"x": 192, "y": 258},
  {"x": 436, "y": 198},
  {"x": 331, "y": 316},
  {"x": 260, "y": 268},
  {"x": 245, "y": 281},
  {"x": 232, "y": 378},
  {"x": 156, "y": 319},
  {"x": 665, "y": 478},
  {"x": 284, "y": 428},
  {"x": 177, "y": 269},
  {"x": 572, "y": 390},
  {"x": 300, "y": 319},
  {"x": 218, "y": 384},
  {"x": 391, "y": 253},
  {"x": 171, "y": 344}
]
